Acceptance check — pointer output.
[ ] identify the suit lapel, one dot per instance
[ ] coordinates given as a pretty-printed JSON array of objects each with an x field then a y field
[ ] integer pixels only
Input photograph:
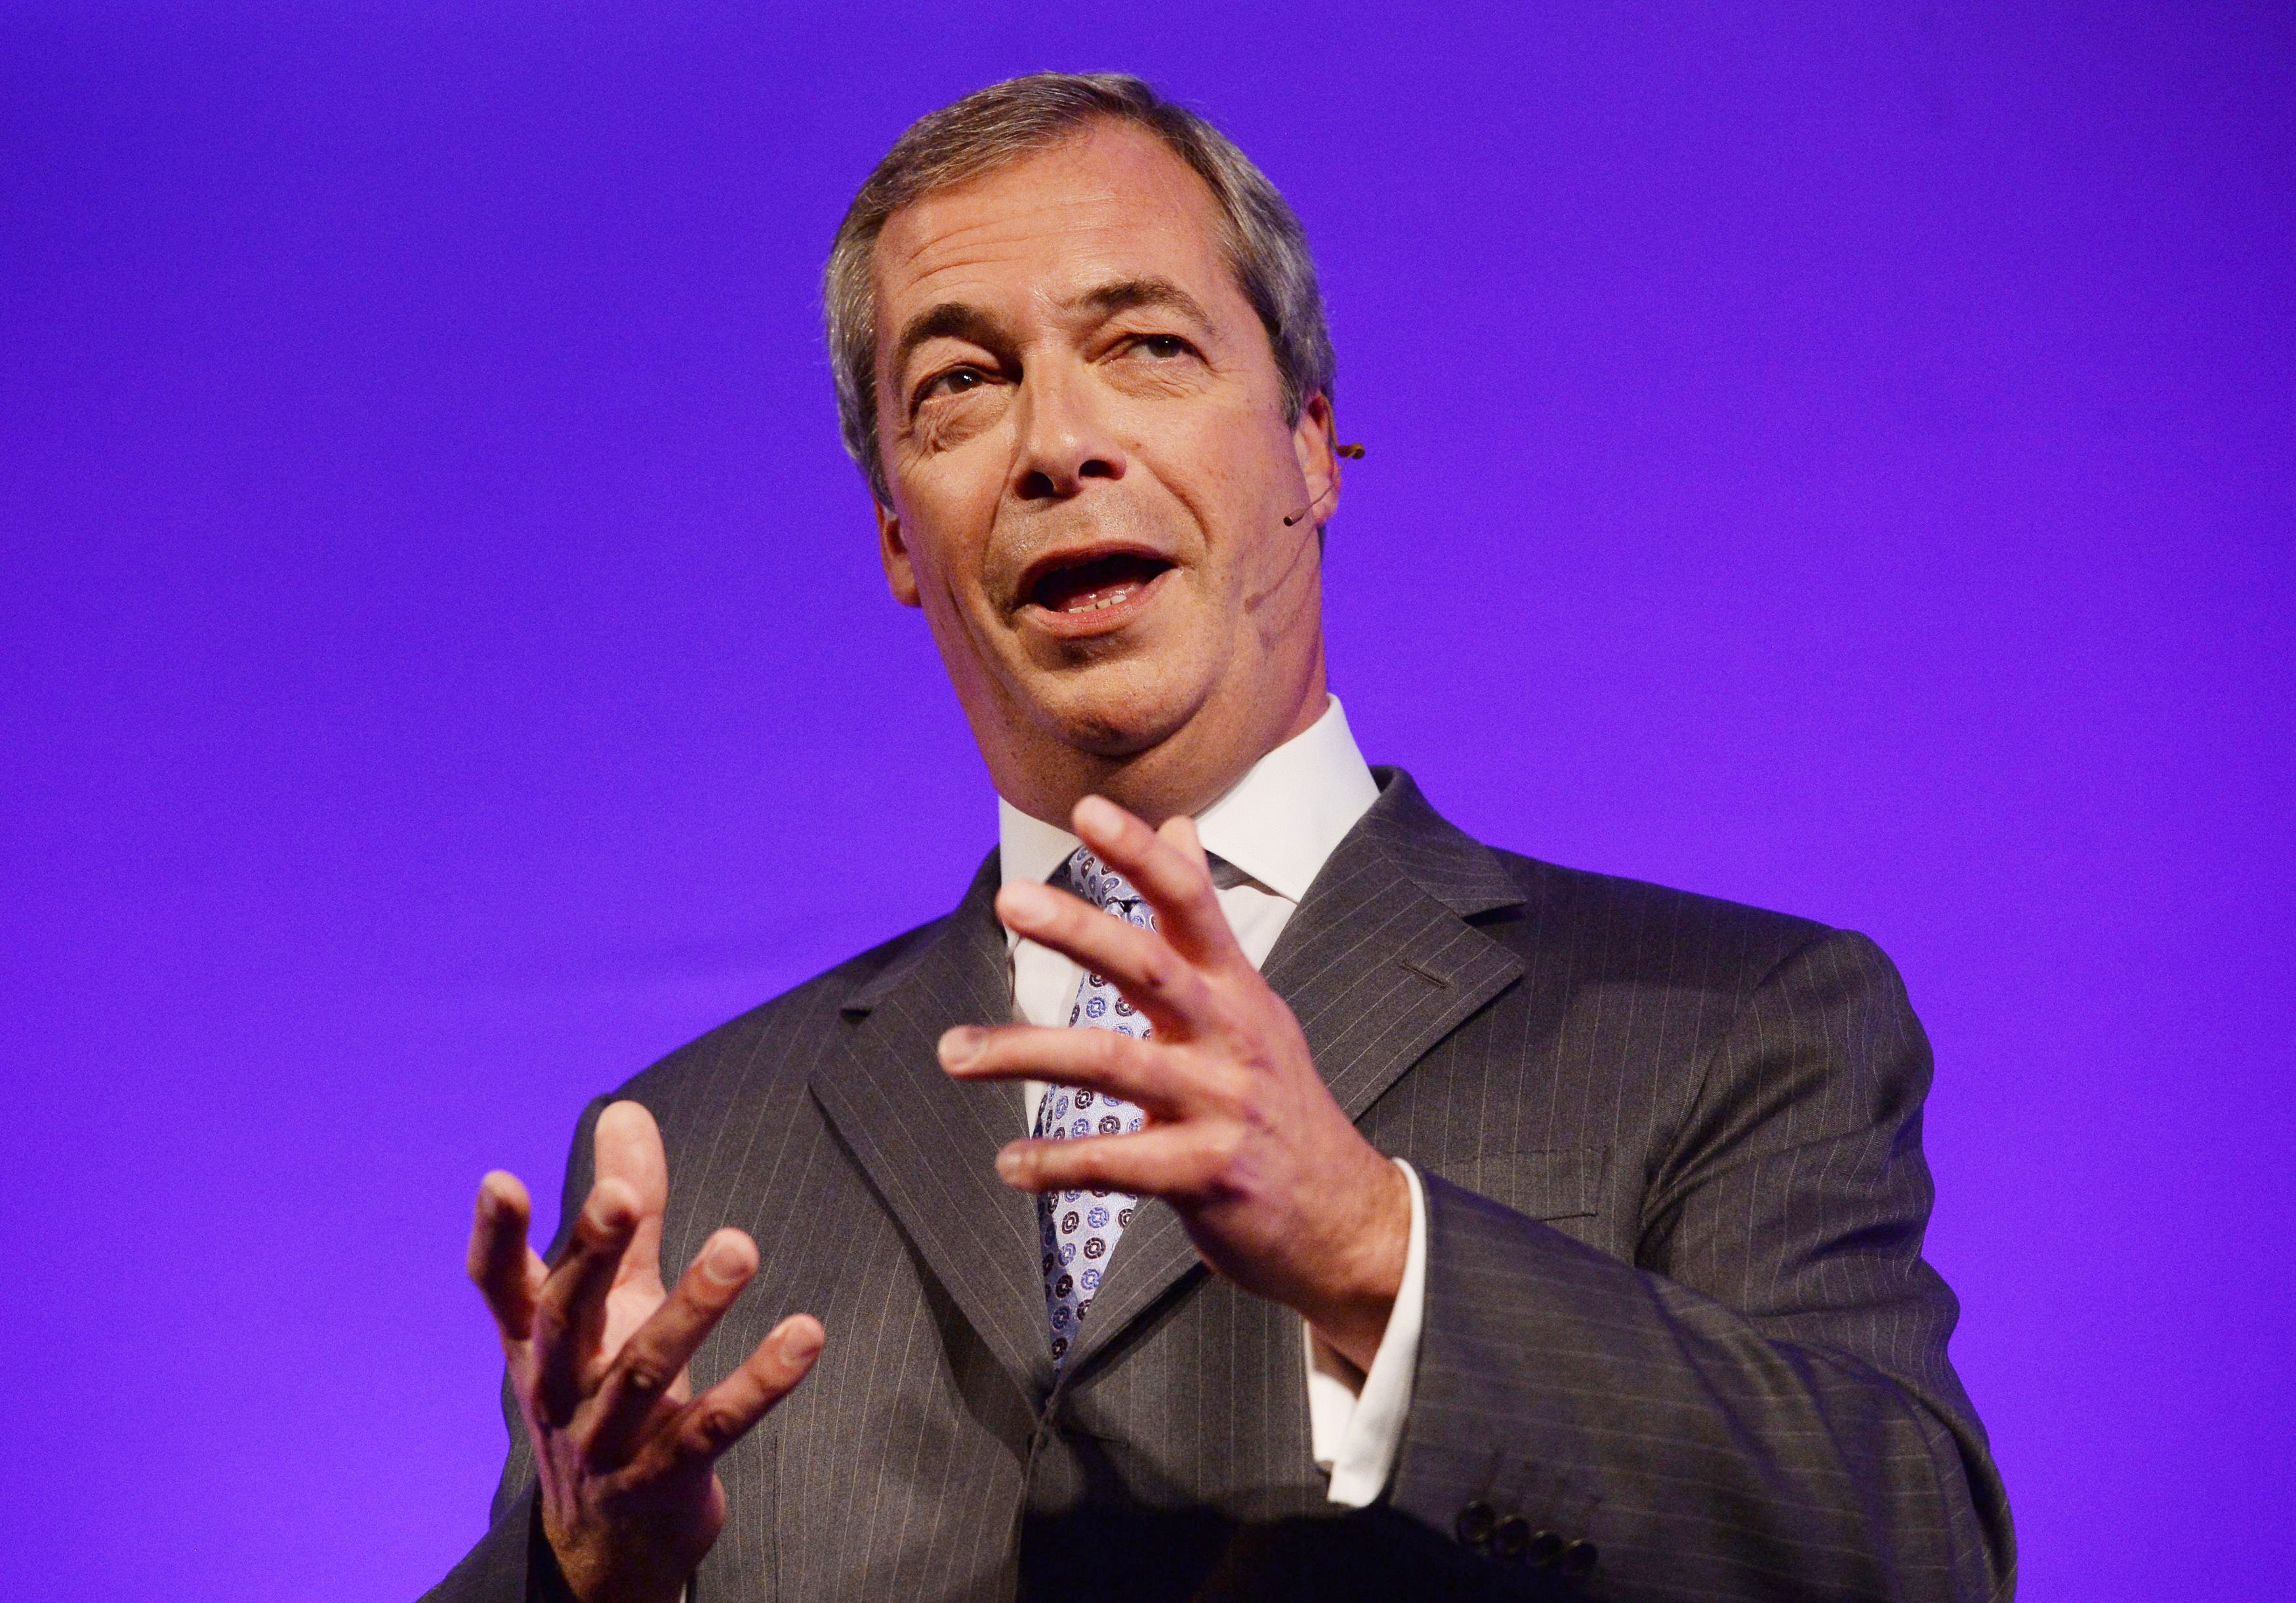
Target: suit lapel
[
  {"x": 1378, "y": 965},
  {"x": 929, "y": 1144}
]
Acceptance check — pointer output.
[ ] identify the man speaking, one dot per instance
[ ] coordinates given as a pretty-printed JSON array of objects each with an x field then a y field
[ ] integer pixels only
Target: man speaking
[{"x": 1255, "y": 1187}]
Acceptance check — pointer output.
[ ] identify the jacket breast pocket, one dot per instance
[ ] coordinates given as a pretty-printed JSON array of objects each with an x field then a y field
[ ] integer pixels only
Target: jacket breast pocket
[{"x": 1563, "y": 1185}]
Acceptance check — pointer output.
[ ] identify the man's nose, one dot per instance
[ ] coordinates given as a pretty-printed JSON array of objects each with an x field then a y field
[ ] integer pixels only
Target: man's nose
[{"x": 1065, "y": 440}]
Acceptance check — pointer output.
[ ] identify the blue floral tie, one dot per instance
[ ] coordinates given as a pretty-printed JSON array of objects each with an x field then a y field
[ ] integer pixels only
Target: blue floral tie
[{"x": 1080, "y": 1227}]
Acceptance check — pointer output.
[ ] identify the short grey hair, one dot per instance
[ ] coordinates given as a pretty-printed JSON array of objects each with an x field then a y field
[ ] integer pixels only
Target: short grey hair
[{"x": 1266, "y": 248}]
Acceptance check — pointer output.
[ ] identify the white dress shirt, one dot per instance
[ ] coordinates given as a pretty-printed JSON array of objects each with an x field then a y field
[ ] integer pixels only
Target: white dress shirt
[{"x": 1276, "y": 827}]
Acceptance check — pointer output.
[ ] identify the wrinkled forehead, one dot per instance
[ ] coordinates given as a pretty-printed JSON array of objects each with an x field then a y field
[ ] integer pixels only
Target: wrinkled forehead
[{"x": 1040, "y": 233}]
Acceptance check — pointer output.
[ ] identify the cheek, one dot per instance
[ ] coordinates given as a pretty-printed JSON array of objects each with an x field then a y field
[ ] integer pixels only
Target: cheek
[
  {"x": 1240, "y": 474},
  {"x": 946, "y": 526},
  {"x": 945, "y": 559},
  {"x": 948, "y": 505},
  {"x": 1248, "y": 446}
]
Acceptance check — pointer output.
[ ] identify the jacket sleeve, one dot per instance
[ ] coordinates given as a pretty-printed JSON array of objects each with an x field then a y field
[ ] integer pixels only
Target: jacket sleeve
[
  {"x": 512, "y": 1563},
  {"x": 1760, "y": 1404}
]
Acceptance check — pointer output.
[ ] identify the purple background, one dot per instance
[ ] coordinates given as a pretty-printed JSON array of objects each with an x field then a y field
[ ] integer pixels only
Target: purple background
[{"x": 1842, "y": 463}]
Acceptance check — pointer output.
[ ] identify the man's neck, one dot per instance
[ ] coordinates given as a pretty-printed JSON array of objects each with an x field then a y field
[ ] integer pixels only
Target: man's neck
[
  {"x": 1276, "y": 826},
  {"x": 1178, "y": 777}
]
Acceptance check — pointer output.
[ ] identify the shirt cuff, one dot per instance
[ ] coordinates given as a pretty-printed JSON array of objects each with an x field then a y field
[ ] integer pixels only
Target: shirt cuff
[{"x": 1355, "y": 1420}]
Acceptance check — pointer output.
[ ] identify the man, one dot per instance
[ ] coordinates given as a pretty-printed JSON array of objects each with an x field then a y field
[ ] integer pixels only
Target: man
[{"x": 1360, "y": 1211}]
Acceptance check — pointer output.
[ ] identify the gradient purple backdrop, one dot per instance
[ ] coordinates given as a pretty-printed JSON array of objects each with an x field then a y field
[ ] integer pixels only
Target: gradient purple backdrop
[{"x": 1834, "y": 457}]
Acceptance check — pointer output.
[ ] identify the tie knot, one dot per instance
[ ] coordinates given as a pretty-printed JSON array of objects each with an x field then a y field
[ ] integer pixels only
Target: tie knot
[{"x": 1106, "y": 889}]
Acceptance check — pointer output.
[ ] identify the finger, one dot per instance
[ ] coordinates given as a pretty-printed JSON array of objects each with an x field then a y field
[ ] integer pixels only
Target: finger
[
  {"x": 570, "y": 1315},
  {"x": 1169, "y": 868},
  {"x": 506, "y": 1269},
  {"x": 1161, "y": 1078},
  {"x": 627, "y": 1145},
  {"x": 1180, "y": 830},
  {"x": 1176, "y": 1160},
  {"x": 718, "y": 1418},
  {"x": 647, "y": 1369},
  {"x": 1140, "y": 963}
]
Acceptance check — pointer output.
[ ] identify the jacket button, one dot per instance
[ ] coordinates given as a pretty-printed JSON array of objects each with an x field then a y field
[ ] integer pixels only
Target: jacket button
[
  {"x": 1545, "y": 1548},
  {"x": 1512, "y": 1538},
  {"x": 1475, "y": 1524},
  {"x": 1578, "y": 1558}
]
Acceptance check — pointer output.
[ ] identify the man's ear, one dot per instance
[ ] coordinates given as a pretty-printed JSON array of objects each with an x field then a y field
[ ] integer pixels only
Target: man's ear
[
  {"x": 1315, "y": 443},
  {"x": 900, "y": 573}
]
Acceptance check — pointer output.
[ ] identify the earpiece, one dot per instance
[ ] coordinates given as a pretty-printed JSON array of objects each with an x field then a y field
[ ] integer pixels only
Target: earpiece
[{"x": 1353, "y": 452}]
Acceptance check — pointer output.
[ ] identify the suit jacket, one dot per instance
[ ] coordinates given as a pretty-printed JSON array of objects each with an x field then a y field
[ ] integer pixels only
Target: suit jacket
[{"x": 1679, "y": 1339}]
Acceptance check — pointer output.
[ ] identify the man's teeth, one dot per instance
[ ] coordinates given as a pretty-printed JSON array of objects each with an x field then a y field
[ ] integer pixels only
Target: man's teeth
[{"x": 1109, "y": 600}]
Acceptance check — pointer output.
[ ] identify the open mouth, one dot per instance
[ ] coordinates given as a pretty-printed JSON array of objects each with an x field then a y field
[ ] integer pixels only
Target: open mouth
[{"x": 1098, "y": 584}]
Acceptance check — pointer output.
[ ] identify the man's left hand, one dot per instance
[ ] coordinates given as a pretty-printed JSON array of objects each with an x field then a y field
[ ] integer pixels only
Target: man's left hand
[{"x": 1278, "y": 1190}]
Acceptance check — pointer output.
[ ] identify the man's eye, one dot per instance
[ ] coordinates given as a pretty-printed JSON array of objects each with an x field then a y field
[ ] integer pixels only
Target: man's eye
[
  {"x": 957, "y": 381},
  {"x": 1162, "y": 346}
]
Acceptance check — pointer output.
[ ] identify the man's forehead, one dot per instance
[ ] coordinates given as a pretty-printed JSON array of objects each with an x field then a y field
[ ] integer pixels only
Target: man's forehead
[{"x": 1113, "y": 204}]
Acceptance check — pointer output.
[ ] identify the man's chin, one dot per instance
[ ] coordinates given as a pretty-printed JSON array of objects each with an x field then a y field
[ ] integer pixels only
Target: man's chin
[
  {"x": 1114, "y": 737},
  {"x": 1115, "y": 713}
]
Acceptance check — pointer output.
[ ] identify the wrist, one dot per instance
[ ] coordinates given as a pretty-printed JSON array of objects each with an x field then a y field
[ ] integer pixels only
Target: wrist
[
  {"x": 563, "y": 1571},
  {"x": 1350, "y": 1315}
]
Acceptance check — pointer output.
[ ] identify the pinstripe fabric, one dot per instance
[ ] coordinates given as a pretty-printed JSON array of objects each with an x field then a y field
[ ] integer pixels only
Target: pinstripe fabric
[{"x": 1676, "y": 1304}]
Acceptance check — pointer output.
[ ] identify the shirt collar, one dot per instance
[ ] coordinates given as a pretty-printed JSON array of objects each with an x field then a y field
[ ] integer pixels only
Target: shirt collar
[{"x": 1278, "y": 824}]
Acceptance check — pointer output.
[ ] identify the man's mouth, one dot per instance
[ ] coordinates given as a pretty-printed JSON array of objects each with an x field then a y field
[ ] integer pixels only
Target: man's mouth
[{"x": 1093, "y": 585}]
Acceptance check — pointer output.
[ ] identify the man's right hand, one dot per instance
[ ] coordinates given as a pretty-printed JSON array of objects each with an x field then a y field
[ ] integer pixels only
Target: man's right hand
[{"x": 625, "y": 1454}]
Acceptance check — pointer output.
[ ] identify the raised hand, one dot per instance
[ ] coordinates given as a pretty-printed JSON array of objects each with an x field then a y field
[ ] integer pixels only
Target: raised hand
[
  {"x": 1278, "y": 1190},
  {"x": 625, "y": 1454}
]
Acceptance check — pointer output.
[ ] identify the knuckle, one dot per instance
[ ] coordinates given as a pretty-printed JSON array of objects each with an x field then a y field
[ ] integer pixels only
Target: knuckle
[
  {"x": 645, "y": 1374},
  {"x": 1224, "y": 1150},
  {"x": 715, "y": 1426},
  {"x": 1158, "y": 969}
]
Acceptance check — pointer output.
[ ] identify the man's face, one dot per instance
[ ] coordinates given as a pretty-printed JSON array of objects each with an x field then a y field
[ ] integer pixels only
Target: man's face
[{"x": 1083, "y": 431}]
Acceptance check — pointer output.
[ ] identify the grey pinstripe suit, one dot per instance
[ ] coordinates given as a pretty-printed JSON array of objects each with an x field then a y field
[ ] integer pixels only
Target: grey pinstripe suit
[{"x": 1676, "y": 1304}]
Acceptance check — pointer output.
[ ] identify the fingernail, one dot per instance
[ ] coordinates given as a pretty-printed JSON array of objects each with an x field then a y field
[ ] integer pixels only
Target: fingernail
[
  {"x": 801, "y": 1343},
  {"x": 724, "y": 1263},
  {"x": 1008, "y": 1164},
  {"x": 959, "y": 1046},
  {"x": 1098, "y": 813}
]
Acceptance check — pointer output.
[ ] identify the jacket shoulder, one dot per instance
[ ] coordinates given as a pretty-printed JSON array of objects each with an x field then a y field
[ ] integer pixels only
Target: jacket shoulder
[{"x": 1730, "y": 944}]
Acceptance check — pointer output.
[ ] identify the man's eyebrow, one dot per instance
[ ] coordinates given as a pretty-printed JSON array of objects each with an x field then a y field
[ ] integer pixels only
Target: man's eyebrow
[
  {"x": 951, "y": 320},
  {"x": 956, "y": 320},
  {"x": 1135, "y": 294}
]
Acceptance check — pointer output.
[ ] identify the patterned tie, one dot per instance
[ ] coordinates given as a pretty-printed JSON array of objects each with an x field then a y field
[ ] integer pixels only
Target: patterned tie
[{"x": 1080, "y": 1227}]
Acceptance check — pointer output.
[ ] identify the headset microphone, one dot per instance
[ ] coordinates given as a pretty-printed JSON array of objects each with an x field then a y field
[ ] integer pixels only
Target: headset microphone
[{"x": 1353, "y": 451}]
